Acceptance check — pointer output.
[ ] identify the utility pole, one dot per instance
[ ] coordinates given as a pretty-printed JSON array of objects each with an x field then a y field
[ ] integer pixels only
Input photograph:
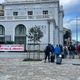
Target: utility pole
[{"x": 77, "y": 28}]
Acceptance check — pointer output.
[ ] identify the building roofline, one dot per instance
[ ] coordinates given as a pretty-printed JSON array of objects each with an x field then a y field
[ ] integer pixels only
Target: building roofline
[{"x": 30, "y": 2}]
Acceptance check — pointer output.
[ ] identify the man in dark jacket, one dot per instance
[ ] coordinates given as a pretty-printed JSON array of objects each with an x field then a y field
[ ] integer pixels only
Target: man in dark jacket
[
  {"x": 47, "y": 51},
  {"x": 71, "y": 49}
]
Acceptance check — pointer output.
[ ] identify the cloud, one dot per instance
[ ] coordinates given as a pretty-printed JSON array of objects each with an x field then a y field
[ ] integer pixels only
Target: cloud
[
  {"x": 71, "y": 7},
  {"x": 1, "y": 1},
  {"x": 67, "y": 3},
  {"x": 74, "y": 25},
  {"x": 71, "y": 10}
]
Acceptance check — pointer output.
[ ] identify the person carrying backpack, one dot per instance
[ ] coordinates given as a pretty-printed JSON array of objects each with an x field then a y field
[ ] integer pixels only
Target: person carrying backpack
[
  {"x": 47, "y": 51},
  {"x": 57, "y": 51}
]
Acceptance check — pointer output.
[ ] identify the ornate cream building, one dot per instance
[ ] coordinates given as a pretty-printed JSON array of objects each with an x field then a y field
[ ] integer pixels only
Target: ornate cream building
[
  {"x": 1, "y": 10},
  {"x": 21, "y": 15}
]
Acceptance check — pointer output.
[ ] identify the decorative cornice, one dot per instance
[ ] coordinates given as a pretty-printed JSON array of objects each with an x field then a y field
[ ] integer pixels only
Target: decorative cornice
[{"x": 28, "y": 1}]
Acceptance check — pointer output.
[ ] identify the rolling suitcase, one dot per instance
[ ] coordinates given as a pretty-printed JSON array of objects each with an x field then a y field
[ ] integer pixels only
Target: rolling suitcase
[{"x": 59, "y": 60}]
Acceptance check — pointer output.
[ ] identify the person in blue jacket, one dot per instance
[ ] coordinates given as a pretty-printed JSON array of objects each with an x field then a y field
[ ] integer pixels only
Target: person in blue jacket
[{"x": 57, "y": 51}]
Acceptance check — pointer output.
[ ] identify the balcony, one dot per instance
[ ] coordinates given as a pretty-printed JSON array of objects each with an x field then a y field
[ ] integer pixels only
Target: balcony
[{"x": 30, "y": 17}]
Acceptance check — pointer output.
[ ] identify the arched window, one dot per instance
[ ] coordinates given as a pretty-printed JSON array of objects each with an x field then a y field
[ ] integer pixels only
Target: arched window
[
  {"x": 2, "y": 33},
  {"x": 20, "y": 35},
  {"x": 2, "y": 30},
  {"x": 20, "y": 30}
]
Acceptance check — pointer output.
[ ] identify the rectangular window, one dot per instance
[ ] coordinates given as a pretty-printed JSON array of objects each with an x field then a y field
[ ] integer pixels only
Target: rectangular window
[
  {"x": 45, "y": 12},
  {"x": 30, "y": 12},
  {"x": 15, "y": 13}
]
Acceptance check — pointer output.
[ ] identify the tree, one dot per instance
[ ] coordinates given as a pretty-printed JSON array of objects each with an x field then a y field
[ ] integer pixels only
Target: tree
[{"x": 35, "y": 34}]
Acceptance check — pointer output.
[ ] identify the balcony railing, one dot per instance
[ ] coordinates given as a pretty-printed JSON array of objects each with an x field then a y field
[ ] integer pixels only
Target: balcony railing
[{"x": 30, "y": 17}]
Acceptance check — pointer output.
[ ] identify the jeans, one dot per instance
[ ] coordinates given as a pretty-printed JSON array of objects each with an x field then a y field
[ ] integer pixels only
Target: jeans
[{"x": 71, "y": 54}]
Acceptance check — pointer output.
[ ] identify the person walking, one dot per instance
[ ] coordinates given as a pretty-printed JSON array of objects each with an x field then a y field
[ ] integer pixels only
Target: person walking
[
  {"x": 47, "y": 51},
  {"x": 65, "y": 51},
  {"x": 78, "y": 50},
  {"x": 71, "y": 49},
  {"x": 57, "y": 51}
]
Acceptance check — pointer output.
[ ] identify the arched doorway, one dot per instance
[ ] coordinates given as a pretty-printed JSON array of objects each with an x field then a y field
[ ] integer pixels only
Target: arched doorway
[
  {"x": 20, "y": 34},
  {"x": 2, "y": 34}
]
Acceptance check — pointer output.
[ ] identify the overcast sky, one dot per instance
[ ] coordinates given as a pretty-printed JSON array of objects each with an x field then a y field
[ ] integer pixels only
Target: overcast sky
[{"x": 71, "y": 10}]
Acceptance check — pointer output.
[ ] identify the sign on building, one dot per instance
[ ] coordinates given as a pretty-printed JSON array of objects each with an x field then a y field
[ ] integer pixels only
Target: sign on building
[{"x": 12, "y": 47}]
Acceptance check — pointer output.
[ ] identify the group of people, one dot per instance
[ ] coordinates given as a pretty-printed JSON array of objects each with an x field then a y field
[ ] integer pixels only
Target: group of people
[
  {"x": 71, "y": 50},
  {"x": 63, "y": 51},
  {"x": 52, "y": 52}
]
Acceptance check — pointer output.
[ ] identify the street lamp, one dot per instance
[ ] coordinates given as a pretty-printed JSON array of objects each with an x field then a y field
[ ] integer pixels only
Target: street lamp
[
  {"x": 76, "y": 26},
  {"x": 77, "y": 29}
]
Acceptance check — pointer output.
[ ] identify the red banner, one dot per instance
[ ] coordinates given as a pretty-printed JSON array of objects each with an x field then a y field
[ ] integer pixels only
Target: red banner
[{"x": 12, "y": 47}]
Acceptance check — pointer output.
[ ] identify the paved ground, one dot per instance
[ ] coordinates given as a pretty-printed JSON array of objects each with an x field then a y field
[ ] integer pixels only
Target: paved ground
[
  {"x": 15, "y": 69},
  {"x": 21, "y": 55}
]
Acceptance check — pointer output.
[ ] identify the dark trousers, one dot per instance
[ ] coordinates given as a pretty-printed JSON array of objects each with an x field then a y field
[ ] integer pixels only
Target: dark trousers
[
  {"x": 47, "y": 55},
  {"x": 71, "y": 54}
]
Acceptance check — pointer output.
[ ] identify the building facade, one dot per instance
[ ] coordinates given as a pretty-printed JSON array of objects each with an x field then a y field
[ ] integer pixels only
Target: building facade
[
  {"x": 21, "y": 15},
  {"x": 1, "y": 10}
]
